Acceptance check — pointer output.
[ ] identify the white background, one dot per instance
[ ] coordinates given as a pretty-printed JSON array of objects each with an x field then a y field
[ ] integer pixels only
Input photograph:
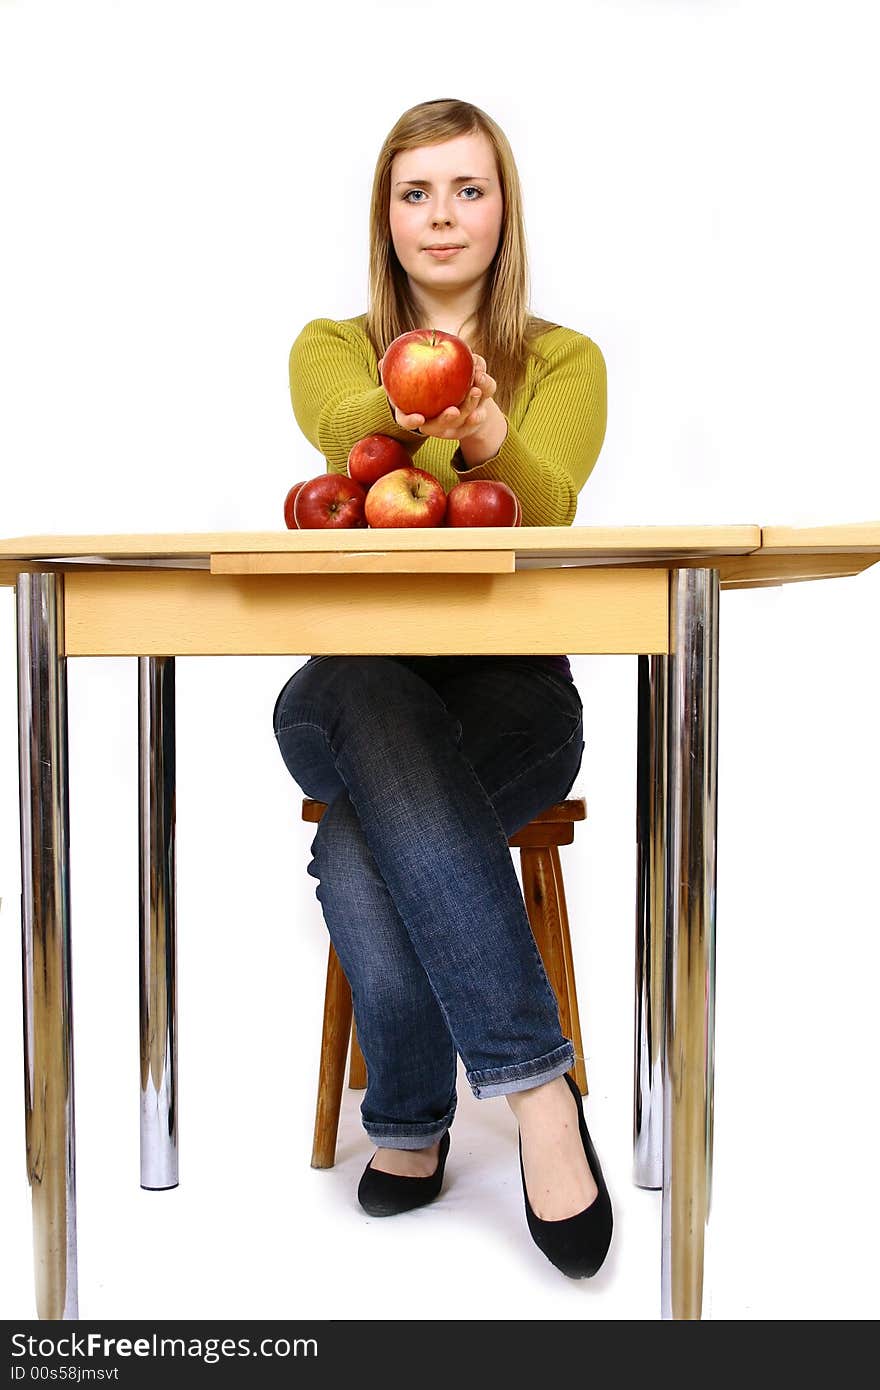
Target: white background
[{"x": 183, "y": 186}]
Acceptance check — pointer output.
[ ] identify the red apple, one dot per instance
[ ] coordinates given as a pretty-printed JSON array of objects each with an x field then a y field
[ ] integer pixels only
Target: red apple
[
  {"x": 482, "y": 502},
  {"x": 289, "y": 519},
  {"x": 426, "y": 371},
  {"x": 374, "y": 456},
  {"x": 406, "y": 497},
  {"x": 330, "y": 500}
]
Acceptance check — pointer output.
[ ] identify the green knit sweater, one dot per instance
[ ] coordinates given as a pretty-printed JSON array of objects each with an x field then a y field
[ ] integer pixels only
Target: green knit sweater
[{"x": 556, "y": 422}]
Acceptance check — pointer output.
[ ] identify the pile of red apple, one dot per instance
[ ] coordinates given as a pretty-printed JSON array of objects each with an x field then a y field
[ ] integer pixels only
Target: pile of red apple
[
  {"x": 382, "y": 490},
  {"x": 424, "y": 372}
]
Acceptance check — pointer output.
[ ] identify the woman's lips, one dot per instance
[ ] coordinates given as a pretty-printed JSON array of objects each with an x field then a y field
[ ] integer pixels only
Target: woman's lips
[{"x": 444, "y": 253}]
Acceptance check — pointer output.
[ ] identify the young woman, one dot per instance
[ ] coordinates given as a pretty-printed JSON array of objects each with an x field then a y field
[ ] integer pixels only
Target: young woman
[{"x": 429, "y": 764}]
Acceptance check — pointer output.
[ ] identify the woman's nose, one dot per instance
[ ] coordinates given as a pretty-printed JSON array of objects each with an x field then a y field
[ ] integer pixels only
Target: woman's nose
[{"x": 442, "y": 214}]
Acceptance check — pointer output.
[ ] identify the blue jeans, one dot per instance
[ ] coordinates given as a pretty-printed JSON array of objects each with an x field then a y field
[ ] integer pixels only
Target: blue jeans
[{"x": 427, "y": 765}]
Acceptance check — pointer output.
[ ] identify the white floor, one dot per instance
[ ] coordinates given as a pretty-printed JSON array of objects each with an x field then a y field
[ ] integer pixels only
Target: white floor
[{"x": 254, "y": 1232}]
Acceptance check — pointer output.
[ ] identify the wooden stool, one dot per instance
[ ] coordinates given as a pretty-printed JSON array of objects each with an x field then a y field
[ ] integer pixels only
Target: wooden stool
[{"x": 544, "y": 893}]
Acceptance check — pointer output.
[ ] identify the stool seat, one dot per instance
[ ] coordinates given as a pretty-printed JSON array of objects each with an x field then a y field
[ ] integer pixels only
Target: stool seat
[
  {"x": 544, "y": 897},
  {"x": 561, "y": 811}
]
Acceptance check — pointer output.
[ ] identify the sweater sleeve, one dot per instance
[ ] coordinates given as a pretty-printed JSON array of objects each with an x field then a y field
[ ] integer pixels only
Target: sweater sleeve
[
  {"x": 549, "y": 457},
  {"x": 336, "y": 392}
]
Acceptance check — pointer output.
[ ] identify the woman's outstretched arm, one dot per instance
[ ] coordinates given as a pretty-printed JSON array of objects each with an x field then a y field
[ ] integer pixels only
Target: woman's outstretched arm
[
  {"x": 549, "y": 457},
  {"x": 336, "y": 393}
]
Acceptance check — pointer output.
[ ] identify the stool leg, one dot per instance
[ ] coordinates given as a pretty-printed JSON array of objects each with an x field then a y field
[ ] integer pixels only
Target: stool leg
[
  {"x": 542, "y": 906},
  {"x": 357, "y": 1067},
  {"x": 334, "y": 1047},
  {"x": 580, "y": 1070}
]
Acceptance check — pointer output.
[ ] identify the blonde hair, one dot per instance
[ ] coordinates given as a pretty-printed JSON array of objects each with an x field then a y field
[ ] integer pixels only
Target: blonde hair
[{"x": 505, "y": 328}]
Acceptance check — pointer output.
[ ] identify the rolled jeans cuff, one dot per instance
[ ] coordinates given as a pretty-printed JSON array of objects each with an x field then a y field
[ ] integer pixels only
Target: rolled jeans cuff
[
  {"x": 409, "y": 1136},
  {"x": 503, "y": 1081}
]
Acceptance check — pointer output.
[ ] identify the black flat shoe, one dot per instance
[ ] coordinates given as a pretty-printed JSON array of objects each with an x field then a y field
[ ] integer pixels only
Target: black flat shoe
[
  {"x": 577, "y": 1244},
  {"x": 386, "y": 1194}
]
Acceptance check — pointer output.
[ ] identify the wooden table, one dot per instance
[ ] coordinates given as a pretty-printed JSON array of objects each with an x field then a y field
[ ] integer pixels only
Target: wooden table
[{"x": 649, "y": 591}]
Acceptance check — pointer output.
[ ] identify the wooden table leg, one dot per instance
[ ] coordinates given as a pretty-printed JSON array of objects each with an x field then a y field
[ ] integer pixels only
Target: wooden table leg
[
  {"x": 46, "y": 964},
  {"x": 688, "y": 1077}
]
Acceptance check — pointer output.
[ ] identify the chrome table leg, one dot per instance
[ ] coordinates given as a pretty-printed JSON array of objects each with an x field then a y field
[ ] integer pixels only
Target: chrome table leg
[
  {"x": 158, "y": 940},
  {"x": 650, "y": 923},
  {"x": 45, "y": 920},
  {"x": 688, "y": 1056}
]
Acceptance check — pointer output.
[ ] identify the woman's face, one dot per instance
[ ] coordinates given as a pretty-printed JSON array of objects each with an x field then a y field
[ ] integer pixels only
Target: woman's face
[{"x": 458, "y": 202}]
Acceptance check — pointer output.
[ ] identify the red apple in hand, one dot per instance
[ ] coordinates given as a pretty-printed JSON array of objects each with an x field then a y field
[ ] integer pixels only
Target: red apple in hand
[
  {"x": 406, "y": 497},
  {"x": 426, "y": 371},
  {"x": 482, "y": 502},
  {"x": 374, "y": 456},
  {"x": 330, "y": 500},
  {"x": 289, "y": 519}
]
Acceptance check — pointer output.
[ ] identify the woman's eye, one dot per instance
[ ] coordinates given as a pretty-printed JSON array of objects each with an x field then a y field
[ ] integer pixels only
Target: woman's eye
[{"x": 471, "y": 188}]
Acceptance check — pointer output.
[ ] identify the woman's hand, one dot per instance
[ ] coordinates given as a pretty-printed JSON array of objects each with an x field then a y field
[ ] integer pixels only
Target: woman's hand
[{"x": 456, "y": 422}]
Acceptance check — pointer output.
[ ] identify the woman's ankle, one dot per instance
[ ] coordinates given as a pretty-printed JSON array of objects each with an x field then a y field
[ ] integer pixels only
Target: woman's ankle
[
  {"x": 407, "y": 1163},
  {"x": 546, "y": 1095}
]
